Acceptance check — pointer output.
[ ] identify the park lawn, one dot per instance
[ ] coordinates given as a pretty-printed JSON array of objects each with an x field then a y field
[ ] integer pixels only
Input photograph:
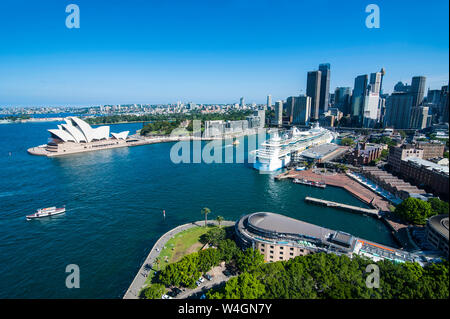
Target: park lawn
[{"x": 182, "y": 244}]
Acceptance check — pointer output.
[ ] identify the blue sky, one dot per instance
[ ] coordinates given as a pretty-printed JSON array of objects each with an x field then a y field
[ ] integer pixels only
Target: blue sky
[{"x": 211, "y": 51}]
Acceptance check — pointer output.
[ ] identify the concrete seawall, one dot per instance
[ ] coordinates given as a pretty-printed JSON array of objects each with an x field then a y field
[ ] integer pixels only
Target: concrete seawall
[{"x": 140, "y": 278}]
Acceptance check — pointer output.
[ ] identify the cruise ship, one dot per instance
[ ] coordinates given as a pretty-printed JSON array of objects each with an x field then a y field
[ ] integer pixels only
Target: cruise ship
[{"x": 275, "y": 153}]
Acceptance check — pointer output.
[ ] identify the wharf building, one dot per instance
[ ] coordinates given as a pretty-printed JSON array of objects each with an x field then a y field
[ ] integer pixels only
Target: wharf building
[
  {"x": 279, "y": 237},
  {"x": 431, "y": 176},
  {"x": 393, "y": 184}
]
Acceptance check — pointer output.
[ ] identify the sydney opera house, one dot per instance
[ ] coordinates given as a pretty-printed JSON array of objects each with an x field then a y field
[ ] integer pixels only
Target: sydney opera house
[{"x": 75, "y": 135}]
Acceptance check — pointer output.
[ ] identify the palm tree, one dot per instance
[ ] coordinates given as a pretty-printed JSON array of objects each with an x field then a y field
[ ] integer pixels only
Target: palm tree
[
  {"x": 219, "y": 219},
  {"x": 206, "y": 211}
]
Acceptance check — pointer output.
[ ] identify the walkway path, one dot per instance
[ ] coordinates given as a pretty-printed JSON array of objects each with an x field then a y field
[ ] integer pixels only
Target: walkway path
[{"x": 146, "y": 268}]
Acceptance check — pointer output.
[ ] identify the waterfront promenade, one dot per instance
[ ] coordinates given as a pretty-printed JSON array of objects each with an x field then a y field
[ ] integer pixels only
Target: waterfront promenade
[{"x": 147, "y": 267}]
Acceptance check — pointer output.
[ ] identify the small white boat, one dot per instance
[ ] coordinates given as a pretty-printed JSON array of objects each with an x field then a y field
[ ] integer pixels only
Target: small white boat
[
  {"x": 309, "y": 183},
  {"x": 46, "y": 212},
  {"x": 300, "y": 168}
]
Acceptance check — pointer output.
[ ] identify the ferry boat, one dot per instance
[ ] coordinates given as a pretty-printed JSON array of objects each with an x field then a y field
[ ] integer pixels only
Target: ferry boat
[
  {"x": 275, "y": 153},
  {"x": 310, "y": 183},
  {"x": 46, "y": 212}
]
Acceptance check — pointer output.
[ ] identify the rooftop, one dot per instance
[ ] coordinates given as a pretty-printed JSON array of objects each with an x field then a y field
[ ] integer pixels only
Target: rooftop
[
  {"x": 440, "y": 224},
  {"x": 428, "y": 165},
  {"x": 287, "y": 225}
]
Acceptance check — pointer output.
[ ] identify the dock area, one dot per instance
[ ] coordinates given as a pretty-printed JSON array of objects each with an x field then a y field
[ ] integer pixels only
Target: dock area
[
  {"x": 354, "y": 209},
  {"x": 398, "y": 227},
  {"x": 340, "y": 180}
]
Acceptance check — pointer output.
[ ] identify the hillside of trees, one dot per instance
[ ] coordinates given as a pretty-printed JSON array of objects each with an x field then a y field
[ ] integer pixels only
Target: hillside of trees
[
  {"x": 315, "y": 276},
  {"x": 328, "y": 276},
  {"x": 193, "y": 115}
]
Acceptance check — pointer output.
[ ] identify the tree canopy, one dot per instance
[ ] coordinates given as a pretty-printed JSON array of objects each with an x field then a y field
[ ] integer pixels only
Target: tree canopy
[
  {"x": 415, "y": 210},
  {"x": 328, "y": 276}
]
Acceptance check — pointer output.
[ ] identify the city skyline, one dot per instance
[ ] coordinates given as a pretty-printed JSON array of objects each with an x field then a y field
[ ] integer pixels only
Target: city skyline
[{"x": 158, "y": 53}]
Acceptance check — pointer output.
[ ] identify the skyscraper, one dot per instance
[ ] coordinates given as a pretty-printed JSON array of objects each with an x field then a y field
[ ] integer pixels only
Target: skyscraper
[
  {"x": 342, "y": 99},
  {"x": 313, "y": 91},
  {"x": 269, "y": 101},
  {"x": 242, "y": 103},
  {"x": 289, "y": 105},
  {"x": 418, "y": 89},
  {"x": 359, "y": 90},
  {"x": 302, "y": 110},
  {"x": 279, "y": 113},
  {"x": 375, "y": 82},
  {"x": 324, "y": 87},
  {"x": 370, "y": 110},
  {"x": 444, "y": 106},
  {"x": 398, "y": 110},
  {"x": 420, "y": 117}
]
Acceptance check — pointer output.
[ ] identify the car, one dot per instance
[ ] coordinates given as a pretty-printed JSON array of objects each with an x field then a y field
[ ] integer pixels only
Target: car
[
  {"x": 201, "y": 279},
  {"x": 166, "y": 297},
  {"x": 198, "y": 283},
  {"x": 203, "y": 296},
  {"x": 209, "y": 277},
  {"x": 227, "y": 273}
]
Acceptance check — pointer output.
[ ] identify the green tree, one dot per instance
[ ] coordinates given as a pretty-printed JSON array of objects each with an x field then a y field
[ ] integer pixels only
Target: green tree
[
  {"x": 219, "y": 219},
  {"x": 245, "y": 286},
  {"x": 154, "y": 291},
  {"x": 214, "y": 236},
  {"x": 250, "y": 259},
  {"x": 205, "y": 211},
  {"x": 228, "y": 250},
  {"x": 414, "y": 210},
  {"x": 439, "y": 206},
  {"x": 384, "y": 155},
  {"x": 346, "y": 141}
]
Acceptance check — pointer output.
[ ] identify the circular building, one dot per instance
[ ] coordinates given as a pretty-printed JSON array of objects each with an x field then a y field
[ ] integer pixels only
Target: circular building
[
  {"x": 437, "y": 232},
  {"x": 280, "y": 237}
]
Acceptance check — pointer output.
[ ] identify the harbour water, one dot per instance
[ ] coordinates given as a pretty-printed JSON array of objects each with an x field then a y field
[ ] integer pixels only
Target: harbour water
[{"x": 114, "y": 200}]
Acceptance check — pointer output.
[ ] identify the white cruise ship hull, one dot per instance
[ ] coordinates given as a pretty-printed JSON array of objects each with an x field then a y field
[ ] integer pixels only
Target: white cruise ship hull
[{"x": 272, "y": 165}]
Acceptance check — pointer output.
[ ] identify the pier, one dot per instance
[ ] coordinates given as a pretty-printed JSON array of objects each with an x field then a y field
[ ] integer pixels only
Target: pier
[{"x": 354, "y": 209}]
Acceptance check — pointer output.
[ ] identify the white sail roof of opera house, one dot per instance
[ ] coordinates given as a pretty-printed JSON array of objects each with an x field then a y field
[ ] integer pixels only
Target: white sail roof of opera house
[{"x": 78, "y": 131}]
